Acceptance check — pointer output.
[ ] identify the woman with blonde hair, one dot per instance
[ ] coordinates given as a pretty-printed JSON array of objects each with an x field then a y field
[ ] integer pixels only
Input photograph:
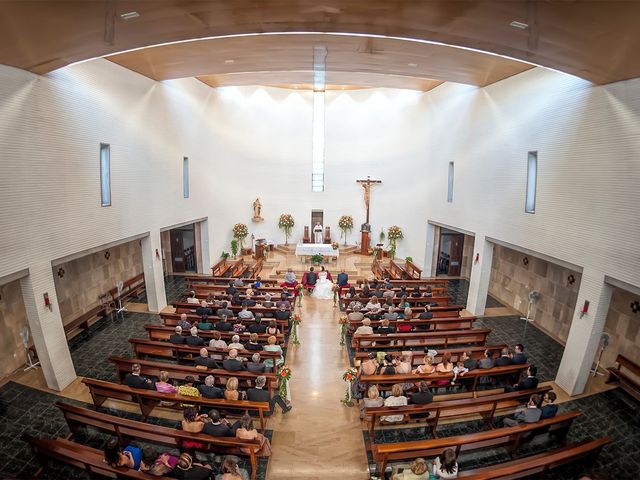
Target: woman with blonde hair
[
  {"x": 272, "y": 347},
  {"x": 402, "y": 326},
  {"x": 427, "y": 367},
  {"x": 418, "y": 470},
  {"x": 397, "y": 399},
  {"x": 373, "y": 400},
  {"x": 231, "y": 390},
  {"x": 163, "y": 385}
]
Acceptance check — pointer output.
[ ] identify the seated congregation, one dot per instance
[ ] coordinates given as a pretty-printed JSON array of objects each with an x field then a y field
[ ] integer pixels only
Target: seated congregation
[{"x": 423, "y": 373}]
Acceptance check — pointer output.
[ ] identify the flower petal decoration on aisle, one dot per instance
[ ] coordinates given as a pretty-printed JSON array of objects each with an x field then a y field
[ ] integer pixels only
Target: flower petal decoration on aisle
[
  {"x": 286, "y": 224},
  {"x": 344, "y": 325},
  {"x": 295, "y": 322},
  {"x": 346, "y": 225},
  {"x": 284, "y": 374},
  {"x": 299, "y": 293},
  {"x": 350, "y": 376}
]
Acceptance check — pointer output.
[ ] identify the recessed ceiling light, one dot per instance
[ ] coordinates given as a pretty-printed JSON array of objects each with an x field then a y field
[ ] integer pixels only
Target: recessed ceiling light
[
  {"x": 129, "y": 15},
  {"x": 231, "y": 60},
  {"x": 412, "y": 64},
  {"x": 520, "y": 25}
]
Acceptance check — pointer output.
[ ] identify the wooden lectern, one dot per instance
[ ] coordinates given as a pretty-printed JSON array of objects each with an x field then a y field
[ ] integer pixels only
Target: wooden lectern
[
  {"x": 306, "y": 238},
  {"x": 364, "y": 242}
]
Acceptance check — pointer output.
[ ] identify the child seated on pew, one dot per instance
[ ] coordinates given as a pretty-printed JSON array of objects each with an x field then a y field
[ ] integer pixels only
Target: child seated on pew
[{"x": 458, "y": 370}]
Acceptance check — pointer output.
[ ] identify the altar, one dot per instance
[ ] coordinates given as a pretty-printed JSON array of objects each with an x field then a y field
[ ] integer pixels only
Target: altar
[{"x": 304, "y": 250}]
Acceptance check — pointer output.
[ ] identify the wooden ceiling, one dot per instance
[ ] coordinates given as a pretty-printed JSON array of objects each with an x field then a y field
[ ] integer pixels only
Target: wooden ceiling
[
  {"x": 265, "y": 58},
  {"x": 594, "y": 39}
]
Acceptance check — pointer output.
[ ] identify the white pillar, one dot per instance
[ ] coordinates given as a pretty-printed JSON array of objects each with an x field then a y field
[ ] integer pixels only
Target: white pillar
[
  {"x": 584, "y": 335},
  {"x": 46, "y": 327},
  {"x": 428, "y": 254},
  {"x": 480, "y": 275},
  {"x": 204, "y": 261},
  {"x": 153, "y": 274}
]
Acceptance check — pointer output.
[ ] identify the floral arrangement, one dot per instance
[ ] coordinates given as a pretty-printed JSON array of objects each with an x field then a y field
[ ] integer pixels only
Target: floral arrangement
[
  {"x": 344, "y": 326},
  {"x": 317, "y": 258},
  {"x": 284, "y": 374},
  {"x": 286, "y": 224},
  {"x": 394, "y": 234},
  {"x": 334, "y": 245},
  {"x": 299, "y": 293},
  {"x": 240, "y": 232},
  {"x": 295, "y": 322},
  {"x": 346, "y": 225},
  {"x": 350, "y": 376}
]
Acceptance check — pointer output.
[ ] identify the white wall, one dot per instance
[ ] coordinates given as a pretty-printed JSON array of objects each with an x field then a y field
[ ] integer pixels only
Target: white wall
[{"x": 264, "y": 150}]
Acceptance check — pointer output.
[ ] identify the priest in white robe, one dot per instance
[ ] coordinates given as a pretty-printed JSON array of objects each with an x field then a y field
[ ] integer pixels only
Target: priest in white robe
[{"x": 317, "y": 233}]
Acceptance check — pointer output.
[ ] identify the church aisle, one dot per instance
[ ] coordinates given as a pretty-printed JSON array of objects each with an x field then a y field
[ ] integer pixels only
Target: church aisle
[{"x": 319, "y": 438}]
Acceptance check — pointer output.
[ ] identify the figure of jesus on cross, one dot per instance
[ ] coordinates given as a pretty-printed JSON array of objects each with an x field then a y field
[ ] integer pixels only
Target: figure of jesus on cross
[{"x": 366, "y": 184}]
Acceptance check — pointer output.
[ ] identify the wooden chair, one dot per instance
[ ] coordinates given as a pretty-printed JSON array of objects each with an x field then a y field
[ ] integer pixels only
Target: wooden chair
[
  {"x": 306, "y": 238},
  {"x": 628, "y": 383}
]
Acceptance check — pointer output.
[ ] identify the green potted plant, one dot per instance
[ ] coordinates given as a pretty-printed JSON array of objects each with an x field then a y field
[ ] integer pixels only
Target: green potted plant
[
  {"x": 317, "y": 258},
  {"x": 394, "y": 233},
  {"x": 224, "y": 255},
  {"x": 234, "y": 247},
  {"x": 408, "y": 259}
]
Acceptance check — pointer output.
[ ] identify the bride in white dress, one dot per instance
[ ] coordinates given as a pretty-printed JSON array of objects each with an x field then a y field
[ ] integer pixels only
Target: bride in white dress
[{"x": 324, "y": 286}]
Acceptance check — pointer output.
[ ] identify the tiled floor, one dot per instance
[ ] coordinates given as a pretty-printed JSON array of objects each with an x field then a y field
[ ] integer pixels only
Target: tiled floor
[{"x": 612, "y": 413}]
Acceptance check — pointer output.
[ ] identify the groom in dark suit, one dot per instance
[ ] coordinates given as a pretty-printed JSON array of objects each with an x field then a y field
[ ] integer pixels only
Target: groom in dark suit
[{"x": 310, "y": 279}]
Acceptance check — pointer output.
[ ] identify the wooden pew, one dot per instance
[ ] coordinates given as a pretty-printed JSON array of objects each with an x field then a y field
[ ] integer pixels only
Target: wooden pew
[
  {"x": 485, "y": 406},
  {"x": 126, "y": 430},
  {"x": 385, "y": 382},
  {"x": 628, "y": 383},
  {"x": 438, "y": 312},
  {"x": 183, "y": 307},
  {"x": 239, "y": 268},
  {"x": 422, "y": 281},
  {"x": 147, "y": 400},
  {"x": 445, "y": 323},
  {"x": 378, "y": 270},
  {"x": 193, "y": 280},
  {"x": 130, "y": 288},
  {"x": 172, "y": 319},
  {"x": 82, "y": 322},
  {"x": 456, "y": 353},
  {"x": 79, "y": 456},
  {"x": 180, "y": 372},
  {"x": 162, "y": 332},
  {"x": 412, "y": 269},
  {"x": 396, "y": 271},
  {"x": 219, "y": 269},
  {"x": 143, "y": 347},
  {"x": 435, "y": 290},
  {"x": 509, "y": 437},
  {"x": 587, "y": 450},
  {"x": 443, "y": 339}
]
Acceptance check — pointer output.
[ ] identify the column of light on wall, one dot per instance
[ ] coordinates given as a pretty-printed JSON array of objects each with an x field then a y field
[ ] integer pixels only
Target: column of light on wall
[{"x": 317, "y": 167}]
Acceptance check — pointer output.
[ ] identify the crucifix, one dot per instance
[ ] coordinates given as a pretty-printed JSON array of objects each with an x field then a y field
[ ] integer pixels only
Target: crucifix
[{"x": 366, "y": 227}]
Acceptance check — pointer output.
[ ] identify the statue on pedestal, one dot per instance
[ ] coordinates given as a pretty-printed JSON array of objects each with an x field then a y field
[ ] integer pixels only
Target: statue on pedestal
[{"x": 257, "y": 207}]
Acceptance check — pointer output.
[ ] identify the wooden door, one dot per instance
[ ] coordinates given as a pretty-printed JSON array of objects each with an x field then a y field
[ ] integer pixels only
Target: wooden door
[
  {"x": 455, "y": 260},
  {"x": 177, "y": 251}
]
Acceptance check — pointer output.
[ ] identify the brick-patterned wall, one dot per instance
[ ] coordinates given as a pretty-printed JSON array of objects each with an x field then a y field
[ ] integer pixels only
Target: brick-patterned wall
[
  {"x": 13, "y": 318},
  {"x": 80, "y": 281},
  {"x": 623, "y": 327},
  {"x": 512, "y": 280}
]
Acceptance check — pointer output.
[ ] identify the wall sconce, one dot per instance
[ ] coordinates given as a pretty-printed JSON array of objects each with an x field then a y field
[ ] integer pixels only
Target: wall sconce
[
  {"x": 157, "y": 254},
  {"x": 477, "y": 258},
  {"x": 47, "y": 302},
  {"x": 585, "y": 309}
]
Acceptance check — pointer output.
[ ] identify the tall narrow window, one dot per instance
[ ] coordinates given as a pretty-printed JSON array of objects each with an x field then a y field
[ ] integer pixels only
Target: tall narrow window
[
  {"x": 317, "y": 145},
  {"x": 532, "y": 176},
  {"x": 450, "y": 183},
  {"x": 185, "y": 177},
  {"x": 105, "y": 174}
]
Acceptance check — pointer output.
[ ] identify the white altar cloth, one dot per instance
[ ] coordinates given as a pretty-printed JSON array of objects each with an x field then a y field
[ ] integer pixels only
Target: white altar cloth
[{"x": 308, "y": 249}]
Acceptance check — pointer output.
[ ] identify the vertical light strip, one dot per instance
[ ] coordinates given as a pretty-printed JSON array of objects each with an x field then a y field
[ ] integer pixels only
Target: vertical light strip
[
  {"x": 317, "y": 167},
  {"x": 532, "y": 180},
  {"x": 185, "y": 177},
  {"x": 450, "y": 184},
  {"x": 105, "y": 174},
  {"x": 317, "y": 135}
]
